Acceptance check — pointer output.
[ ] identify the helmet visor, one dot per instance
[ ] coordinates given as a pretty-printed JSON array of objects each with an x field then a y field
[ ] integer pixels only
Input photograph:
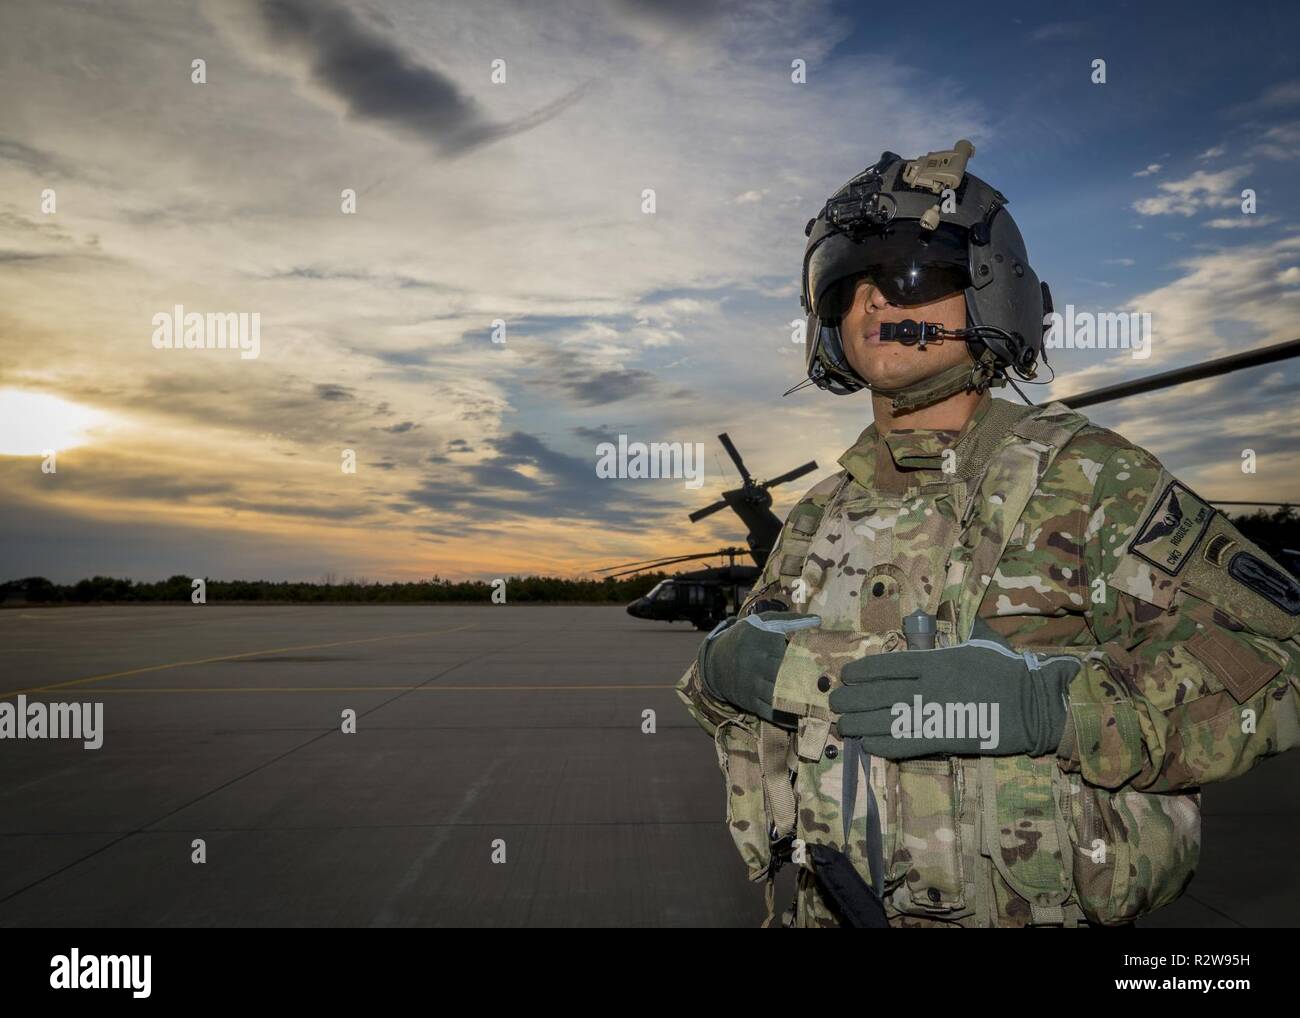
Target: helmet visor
[{"x": 910, "y": 266}]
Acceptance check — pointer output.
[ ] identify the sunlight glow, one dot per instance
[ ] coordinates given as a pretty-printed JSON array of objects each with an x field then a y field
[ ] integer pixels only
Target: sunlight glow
[{"x": 32, "y": 422}]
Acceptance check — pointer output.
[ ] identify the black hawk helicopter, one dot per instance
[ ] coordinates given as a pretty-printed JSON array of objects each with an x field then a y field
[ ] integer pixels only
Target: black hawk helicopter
[{"x": 706, "y": 596}]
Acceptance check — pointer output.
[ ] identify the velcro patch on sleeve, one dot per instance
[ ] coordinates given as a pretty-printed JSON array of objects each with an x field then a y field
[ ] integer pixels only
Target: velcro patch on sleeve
[
  {"x": 1266, "y": 581},
  {"x": 1173, "y": 528},
  {"x": 805, "y": 519},
  {"x": 1242, "y": 669},
  {"x": 791, "y": 565}
]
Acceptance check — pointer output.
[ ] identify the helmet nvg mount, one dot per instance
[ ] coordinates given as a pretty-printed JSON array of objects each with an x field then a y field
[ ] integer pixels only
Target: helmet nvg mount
[{"x": 922, "y": 230}]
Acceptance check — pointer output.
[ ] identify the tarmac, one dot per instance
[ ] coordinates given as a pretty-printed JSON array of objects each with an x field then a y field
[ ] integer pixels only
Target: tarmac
[{"x": 483, "y": 733}]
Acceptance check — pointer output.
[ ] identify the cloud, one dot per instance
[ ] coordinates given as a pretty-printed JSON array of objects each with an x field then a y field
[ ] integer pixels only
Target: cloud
[
  {"x": 39, "y": 230},
  {"x": 378, "y": 280},
  {"x": 342, "y": 512},
  {"x": 35, "y": 160},
  {"x": 106, "y": 477},
  {"x": 1213, "y": 153},
  {"x": 64, "y": 546},
  {"x": 1060, "y": 31},
  {"x": 403, "y": 358},
  {"x": 1225, "y": 301},
  {"x": 607, "y": 386},
  {"x": 1242, "y": 222},
  {"x": 1282, "y": 94},
  {"x": 587, "y": 381},
  {"x": 335, "y": 393},
  {"x": 1281, "y": 142},
  {"x": 1151, "y": 169},
  {"x": 1201, "y": 190},
  {"x": 595, "y": 435},
  {"x": 527, "y": 478},
  {"x": 678, "y": 29},
  {"x": 373, "y": 79},
  {"x": 25, "y": 256},
  {"x": 676, "y": 15}
]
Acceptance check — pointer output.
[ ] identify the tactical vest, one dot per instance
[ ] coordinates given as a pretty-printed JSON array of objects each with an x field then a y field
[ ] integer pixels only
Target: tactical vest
[{"x": 968, "y": 841}]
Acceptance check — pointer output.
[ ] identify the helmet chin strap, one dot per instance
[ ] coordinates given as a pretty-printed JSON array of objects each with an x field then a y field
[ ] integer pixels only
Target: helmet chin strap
[{"x": 959, "y": 378}]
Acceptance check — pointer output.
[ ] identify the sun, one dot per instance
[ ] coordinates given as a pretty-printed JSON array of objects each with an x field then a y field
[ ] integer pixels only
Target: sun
[{"x": 33, "y": 422}]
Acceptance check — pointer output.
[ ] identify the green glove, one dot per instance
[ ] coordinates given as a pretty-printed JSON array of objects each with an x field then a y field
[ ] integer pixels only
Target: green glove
[
  {"x": 979, "y": 698},
  {"x": 740, "y": 658}
]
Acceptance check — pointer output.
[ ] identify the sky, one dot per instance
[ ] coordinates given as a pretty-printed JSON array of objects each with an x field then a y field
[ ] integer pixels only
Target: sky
[{"x": 127, "y": 188}]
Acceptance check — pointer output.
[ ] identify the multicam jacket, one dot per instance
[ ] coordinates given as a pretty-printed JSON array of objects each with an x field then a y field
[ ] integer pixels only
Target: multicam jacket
[{"x": 1065, "y": 537}]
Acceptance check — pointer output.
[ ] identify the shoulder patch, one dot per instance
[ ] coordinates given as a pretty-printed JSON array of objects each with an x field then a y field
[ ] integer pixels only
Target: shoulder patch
[{"x": 1172, "y": 529}]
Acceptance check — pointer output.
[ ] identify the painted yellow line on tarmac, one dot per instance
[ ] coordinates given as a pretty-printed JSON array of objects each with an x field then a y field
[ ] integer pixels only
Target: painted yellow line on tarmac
[
  {"x": 138, "y": 612},
  {"x": 234, "y": 657}
]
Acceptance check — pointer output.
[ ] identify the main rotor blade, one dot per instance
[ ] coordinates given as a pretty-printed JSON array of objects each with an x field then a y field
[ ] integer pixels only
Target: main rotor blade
[
  {"x": 647, "y": 562},
  {"x": 642, "y": 566},
  {"x": 670, "y": 561},
  {"x": 1163, "y": 380},
  {"x": 790, "y": 475},
  {"x": 708, "y": 510},
  {"x": 735, "y": 457}
]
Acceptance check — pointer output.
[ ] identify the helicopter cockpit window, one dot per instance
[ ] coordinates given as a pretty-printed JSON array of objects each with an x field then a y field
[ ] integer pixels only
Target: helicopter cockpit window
[{"x": 665, "y": 592}]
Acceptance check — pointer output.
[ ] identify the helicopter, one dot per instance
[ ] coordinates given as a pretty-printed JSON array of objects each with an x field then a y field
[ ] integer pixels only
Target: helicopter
[{"x": 707, "y": 596}]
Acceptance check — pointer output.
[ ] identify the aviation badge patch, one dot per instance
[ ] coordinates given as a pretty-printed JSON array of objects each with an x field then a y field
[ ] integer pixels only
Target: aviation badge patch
[{"x": 1173, "y": 529}]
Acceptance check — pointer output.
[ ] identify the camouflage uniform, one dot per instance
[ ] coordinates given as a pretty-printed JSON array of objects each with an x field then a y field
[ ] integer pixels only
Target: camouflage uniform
[{"x": 1063, "y": 537}]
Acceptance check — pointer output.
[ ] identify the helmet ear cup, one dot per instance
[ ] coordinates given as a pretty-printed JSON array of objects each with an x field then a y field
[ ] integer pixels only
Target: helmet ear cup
[{"x": 1009, "y": 294}]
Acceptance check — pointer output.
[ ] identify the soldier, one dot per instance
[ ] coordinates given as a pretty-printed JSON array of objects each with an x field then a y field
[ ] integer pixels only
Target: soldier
[{"x": 990, "y": 662}]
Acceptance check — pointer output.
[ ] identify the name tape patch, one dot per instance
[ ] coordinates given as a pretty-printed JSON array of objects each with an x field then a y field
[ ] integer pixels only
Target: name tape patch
[{"x": 1173, "y": 529}]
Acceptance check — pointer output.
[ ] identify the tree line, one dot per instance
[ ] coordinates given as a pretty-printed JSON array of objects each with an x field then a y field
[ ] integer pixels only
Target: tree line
[
  {"x": 1277, "y": 532},
  {"x": 518, "y": 590}
]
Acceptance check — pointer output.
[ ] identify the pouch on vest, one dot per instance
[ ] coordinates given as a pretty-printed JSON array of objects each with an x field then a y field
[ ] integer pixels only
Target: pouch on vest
[
  {"x": 927, "y": 860},
  {"x": 738, "y": 759},
  {"x": 1134, "y": 852},
  {"x": 1025, "y": 833}
]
